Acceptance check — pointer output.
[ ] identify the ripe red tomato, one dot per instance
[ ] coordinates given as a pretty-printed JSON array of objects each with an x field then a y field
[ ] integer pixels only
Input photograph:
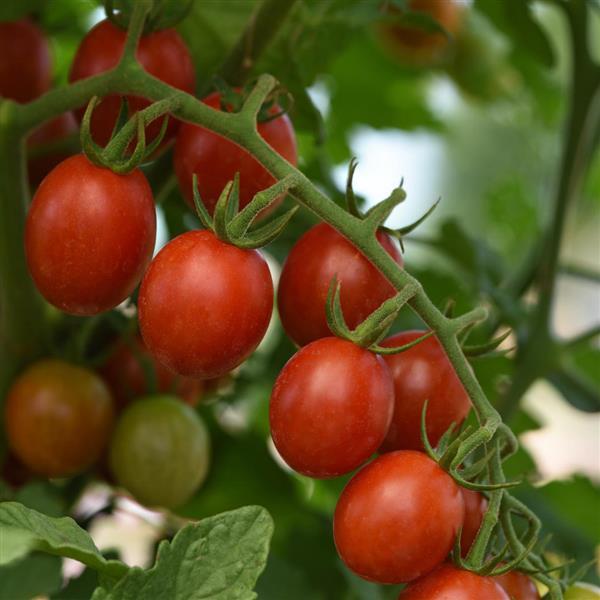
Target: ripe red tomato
[
  {"x": 518, "y": 586},
  {"x": 397, "y": 518},
  {"x": 160, "y": 451},
  {"x": 330, "y": 407},
  {"x": 58, "y": 418},
  {"x": 89, "y": 235},
  {"x": 125, "y": 373},
  {"x": 216, "y": 160},
  {"x": 422, "y": 373},
  {"x": 25, "y": 62},
  {"x": 475, "y": 506},
  {"x": 204, "y": 305},
  {"x": 316, "y": 257},
  {"x": 449, "y": 583},
  {"x": 163, "y": 54}
]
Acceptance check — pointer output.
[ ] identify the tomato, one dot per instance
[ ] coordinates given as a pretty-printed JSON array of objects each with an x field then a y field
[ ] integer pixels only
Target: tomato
[
  {"x": 160, "y": 451},
  {"x": 475, "y": 506},
  {"x": 25, "y": 62},
  {"x": 397, "y": 518},
  {"x": 216, "y": 160},
  {"x": 518, "y": 586},
  {"x": 330, "y": 407},
  {"x": 319, "y": 255},
  {"x": 89, "y": 235},
  {"x": 449, "y": 583},
  {"x": 204, "y": 305},
  {"x": 422, "y": 373},
  {"x": 58, "y": 418},
  {"x": 125, "y": 373},
  {"x": 163, "y": 54},
  {"x": 50, "y": 132}
]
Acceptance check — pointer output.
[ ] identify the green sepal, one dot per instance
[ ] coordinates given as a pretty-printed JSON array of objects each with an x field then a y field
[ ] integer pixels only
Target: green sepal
[
  {"x": 398, "y": 349},
  {"x": 351, "y": 202},
  {"x": 487, "y": 348},
  {"x": 201, "y": 211}
]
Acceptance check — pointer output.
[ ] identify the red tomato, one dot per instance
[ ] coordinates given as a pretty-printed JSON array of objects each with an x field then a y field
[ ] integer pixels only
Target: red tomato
[
  {"x": 204, "y": 305},
  {"x": 161, "y": 53},
  {"x": 24, "y": 61},
  {"x": 52, "y": 131},
  {"x": 124, "y": 371},
  {"x": 422, "y": 373},
  {"x": 449, "y": 583},
  {"x": 518, "y": 586},
  {"x": 58, "y": 418},
  {"x": 316, "y": 257},
  {"x": 216, "y": 160},
  {"x": 475, "y": 506},
  {"x": 397, "y": 518},
  {"x": 330, "y": 407},
  {"x": 89, "y": 235}
]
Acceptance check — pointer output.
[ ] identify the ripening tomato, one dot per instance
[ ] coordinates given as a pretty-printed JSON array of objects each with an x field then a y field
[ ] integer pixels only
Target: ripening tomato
[
  {"x": 475, "y": 506},
  {"x": 58, "y": 418},
  {"x": 128, "y": 366},
  {"x": 518, "y": 586},
  {"x": 449, "y": 583},
  {"x": 319, "y": 255},
  {"x": 163, "y": 54},
  {"x": 89, "y": 235},
  {"x": 397, "y": 518},
  {"x": 330, "y": 407},
  {"x": 25, "y": 62},
  {"x": 204, "y": 305},
  {"x": 215, "y": 160},
  {"x": 422, "y": 373},
  {"x": 160, "y": 451}
]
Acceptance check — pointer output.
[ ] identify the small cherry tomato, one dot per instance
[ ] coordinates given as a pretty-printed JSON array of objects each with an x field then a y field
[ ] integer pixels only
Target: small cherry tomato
[
  {"x": 518, "y": 586},
  {"x": 330, "y": 407},
  {"x": 319, "y": 255},
  {"x": 422, "y": 373},
  {"x": 58, "y": 418},
  {"x": 475, "y": 506},
  {"x": 216, "y": 160},
  {"x": 160, "y": 451},
  {"x": 89, "y": 235},
  {"x": 204, "y": 305},
  {"x": 397, "y": 518}
]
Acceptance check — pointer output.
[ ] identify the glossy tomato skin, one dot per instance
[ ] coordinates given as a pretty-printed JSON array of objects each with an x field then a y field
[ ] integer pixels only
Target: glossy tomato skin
[
  {"x": 163, "y": 54},
  {"x": 319, "y": 255},
  {"x": 204, "y": 305},
  {"x": 160, "y": 451},
  {"x": 397, "y": 518},
  {"x": 330, "y": 407},
  {"x": 422, "y": 373},
  {"x": 216, "y": 160},
  {"x": 58, "y": 418},
  {"x": 89, "y": 235},
  {"x": 518, "y": 586},
  {"x": 25, "y": 63},
  {"x": 449, "y": 583},
  {"x": 475, "y": 506}
]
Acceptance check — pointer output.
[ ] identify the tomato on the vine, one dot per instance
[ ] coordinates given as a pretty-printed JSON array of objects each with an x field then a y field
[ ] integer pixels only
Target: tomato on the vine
[
  {"x": 397, "y": 518},
  {"x": 89, "y": 235},
  {"x": 160, "y": 451},
  {"x": 475, "y": 506},
  {"x": 319, "y": 255},
  {"x": 216, "y": 160},
  {"x": 204, "y": 305},
  {"x": 58, "y": 418},
  {"x": 422, "y": 373},
  {"x": 163, "y": 54},
  {"x": 330, "y": 407},
  {"x": 518, "y": 586}
]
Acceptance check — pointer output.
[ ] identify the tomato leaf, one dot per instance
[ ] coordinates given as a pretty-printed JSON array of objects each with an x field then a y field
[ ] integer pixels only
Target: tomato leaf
[{"x": 36, "y": 575}]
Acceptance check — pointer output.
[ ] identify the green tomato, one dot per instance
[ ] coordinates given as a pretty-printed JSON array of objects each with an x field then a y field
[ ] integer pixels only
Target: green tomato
[
  {"x": 160, "y": 451},
  {"x": 582, "y": 591}
]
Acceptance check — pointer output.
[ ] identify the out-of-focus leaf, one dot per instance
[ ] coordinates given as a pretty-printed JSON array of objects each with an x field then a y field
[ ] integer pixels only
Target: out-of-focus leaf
[
  {"x": 79, "y": 587},
  {"x": 43, "y": 497},
  {"x": 281, "y": 575},
  {"x": 579, "y": 391},
  {"x": 12, "y": 11},
  {"x": 35, "y": 575}
]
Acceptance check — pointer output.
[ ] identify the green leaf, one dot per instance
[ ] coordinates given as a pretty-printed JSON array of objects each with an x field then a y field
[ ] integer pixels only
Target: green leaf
[
  {"x": 36, "y": 575},
  {"x": 78, "y": 588},
  {"x": 12, "y": 11},
  {"x": 218, "y": 558}
]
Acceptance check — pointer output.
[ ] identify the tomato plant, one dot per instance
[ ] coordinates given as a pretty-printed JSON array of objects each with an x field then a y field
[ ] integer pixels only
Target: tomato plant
[
  {"x": 518, "y": 586},
  {"x": 475, "y": 506}
]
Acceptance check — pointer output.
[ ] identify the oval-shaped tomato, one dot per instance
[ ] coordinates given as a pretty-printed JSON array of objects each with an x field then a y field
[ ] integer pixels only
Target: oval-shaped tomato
[
  {"x": 163, "y": 54},
  {"x": 204, "y": 305},
  {"x": 449, "y": 583},
  {"x": 397, "y": 518},
  {"x": 58, "y": 418},
  {"x": 518, "y": 586},
  {"x": 215, "y": 160},
  {"x": 160, "y": 451},
  {"x": 422, "y": 373},
  {"x": 131, "y": 367},
  {"x": 330, "y": 407},
  {"x": 319, "y": 255},
  {"x": 89, "y": 235},
  {"x": 25, "y": 62},
  {"x": 475, "y": 506}
]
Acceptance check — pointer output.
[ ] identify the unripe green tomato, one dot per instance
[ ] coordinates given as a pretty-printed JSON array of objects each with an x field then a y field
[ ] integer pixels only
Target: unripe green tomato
[
  {"x": 160, "y": 451},
  {"x": 582, "y": 591}
]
